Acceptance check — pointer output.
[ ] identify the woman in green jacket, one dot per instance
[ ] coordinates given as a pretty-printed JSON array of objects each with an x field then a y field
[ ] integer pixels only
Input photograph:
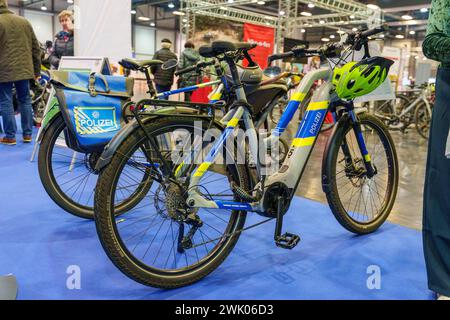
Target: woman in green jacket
[{"x": 436, "y": 222}]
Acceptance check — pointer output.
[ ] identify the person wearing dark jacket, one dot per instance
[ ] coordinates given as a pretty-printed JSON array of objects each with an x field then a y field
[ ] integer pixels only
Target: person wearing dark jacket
[
  {"x": 20, "y": 62},
  {"x": 188, "y": 58},
  {"x": 436, "y": 220},
  {"x": 164, "y": 78},
  {"x": 63, "y": 45}
]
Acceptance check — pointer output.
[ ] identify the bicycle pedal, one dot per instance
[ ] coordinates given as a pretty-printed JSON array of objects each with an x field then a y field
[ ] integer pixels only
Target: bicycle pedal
[
  {"x": 287, "y": 241},
  {"x": 244, "y": 195}
]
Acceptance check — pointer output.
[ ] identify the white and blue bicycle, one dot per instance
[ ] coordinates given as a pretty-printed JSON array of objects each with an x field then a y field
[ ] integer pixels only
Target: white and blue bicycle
[{"x": 210, "y": 176}]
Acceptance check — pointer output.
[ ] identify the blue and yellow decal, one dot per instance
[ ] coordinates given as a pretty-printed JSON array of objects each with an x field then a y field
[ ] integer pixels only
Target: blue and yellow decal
[
  {"x": 310, "y": 126},
  {"x": 95, "y": 120},
  {"x": 289, "y": 113}
]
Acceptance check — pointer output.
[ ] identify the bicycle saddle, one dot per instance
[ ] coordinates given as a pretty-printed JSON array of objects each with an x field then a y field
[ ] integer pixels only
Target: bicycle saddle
[
  {"x": 245, "y": 46},
  {"x": 220, "y": 47},
  {"x": 225, "y": 46},
  {"x": 206, "y": 52},
  {"x": 138, "y": 65}
]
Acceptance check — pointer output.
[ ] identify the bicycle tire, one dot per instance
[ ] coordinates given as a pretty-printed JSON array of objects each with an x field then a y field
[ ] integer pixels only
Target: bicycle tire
[
  {"x": 330, "y": 177},
  {"x": 422, "y": 107}
]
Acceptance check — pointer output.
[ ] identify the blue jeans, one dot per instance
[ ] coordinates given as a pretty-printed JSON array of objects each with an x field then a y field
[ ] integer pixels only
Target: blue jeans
[
  {"x": 161, "y": 89},
  {"x": 7, "y": 108}
]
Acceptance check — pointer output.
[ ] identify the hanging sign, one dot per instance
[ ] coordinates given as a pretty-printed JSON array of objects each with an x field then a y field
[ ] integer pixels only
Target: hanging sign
[{"x": 264, "y": 37}]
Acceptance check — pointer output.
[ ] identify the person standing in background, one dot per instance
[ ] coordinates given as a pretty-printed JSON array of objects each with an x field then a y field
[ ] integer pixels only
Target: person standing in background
[
  {"x": 436, "y": 220},
  {"x": 64, "y": 42},
  {"x": 20, "y": 62},
  {"x": 189, "y": 58},
  {"x": 164, "y": 78}
]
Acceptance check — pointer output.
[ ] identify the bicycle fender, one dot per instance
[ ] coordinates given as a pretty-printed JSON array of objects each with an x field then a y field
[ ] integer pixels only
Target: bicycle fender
[
  {"x": 340, "y": 125},
  {"x": 129, "y": 128},
  {"x": 50, "y": 117}
]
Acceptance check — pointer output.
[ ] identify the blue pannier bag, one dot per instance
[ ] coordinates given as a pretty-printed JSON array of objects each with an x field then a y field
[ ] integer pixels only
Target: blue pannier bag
[{"x": 91, "y": 105}]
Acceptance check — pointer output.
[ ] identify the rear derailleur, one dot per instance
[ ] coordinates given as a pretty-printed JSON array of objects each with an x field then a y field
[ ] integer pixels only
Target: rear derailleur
[{"x": 185, "y": 242}]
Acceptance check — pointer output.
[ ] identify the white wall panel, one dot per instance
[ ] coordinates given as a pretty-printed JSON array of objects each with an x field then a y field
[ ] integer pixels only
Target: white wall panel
[
  {"x": 42, "y": 25},
  {"x": 144, "y": 41},
  {"x": 103, "y": 28}
]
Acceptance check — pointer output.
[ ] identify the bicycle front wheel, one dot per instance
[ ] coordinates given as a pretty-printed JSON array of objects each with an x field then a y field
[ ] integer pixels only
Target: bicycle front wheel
[
  {"x": 163, "y": 243},
  {"x": 359, "y": 203}
]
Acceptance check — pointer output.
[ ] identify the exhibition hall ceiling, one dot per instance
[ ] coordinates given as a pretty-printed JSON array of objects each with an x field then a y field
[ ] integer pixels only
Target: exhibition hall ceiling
[{"x": 395, "y": 11}]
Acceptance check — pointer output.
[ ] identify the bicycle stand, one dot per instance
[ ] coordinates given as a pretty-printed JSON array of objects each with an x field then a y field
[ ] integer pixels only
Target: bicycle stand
[
  {"x": 8, "y": 288},
  {"x": 288, "y": 240}
]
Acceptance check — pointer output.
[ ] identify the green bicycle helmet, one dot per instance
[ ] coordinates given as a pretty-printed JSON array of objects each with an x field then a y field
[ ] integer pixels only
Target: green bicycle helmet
[{"x": 356, "y": 79}]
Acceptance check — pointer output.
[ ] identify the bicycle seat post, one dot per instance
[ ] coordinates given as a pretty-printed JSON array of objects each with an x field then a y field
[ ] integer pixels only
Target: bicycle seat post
[
  {"x": 151, "y": 89},
  {"x": 239, "y": 89}
]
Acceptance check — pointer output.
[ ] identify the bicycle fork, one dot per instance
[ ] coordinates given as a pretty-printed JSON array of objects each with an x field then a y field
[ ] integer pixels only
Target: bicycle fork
[{"x": 356, "y": 124}]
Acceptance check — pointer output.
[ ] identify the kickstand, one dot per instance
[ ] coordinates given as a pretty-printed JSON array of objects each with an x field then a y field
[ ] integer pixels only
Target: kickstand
[{"x": 288, "y": 240}]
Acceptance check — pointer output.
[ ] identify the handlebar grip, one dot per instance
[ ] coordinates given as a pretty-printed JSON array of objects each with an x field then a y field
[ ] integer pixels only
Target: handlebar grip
[
  {"x": 185, "y": 70},
  {"x": 280, "y": 56},
  {"x": 374, "y": 31}
]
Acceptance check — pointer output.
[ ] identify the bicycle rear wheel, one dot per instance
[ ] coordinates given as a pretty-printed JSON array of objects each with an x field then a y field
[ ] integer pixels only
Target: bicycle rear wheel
[
  {"x": 163, "y": 243},
  {"x": 423, "y": 120},
  {"x": 361, "y": 204},
  {"x": 70, "y": 177}
]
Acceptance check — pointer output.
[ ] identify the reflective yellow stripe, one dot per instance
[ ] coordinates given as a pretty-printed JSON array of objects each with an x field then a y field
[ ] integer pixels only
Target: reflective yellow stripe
[
  {"x": 298, "y": 96},
  {"x": 203, "y": 85},
  {"x": 318, "y": 105},
  {"x": 368, "y": 158},
  {"x": 233, "y": 123},
  {"x": 177, "y": 172},
  {"x": 216, "y": 96},
  {"x": 202, "y": 169},
  {"x": 303, "y": 142}
]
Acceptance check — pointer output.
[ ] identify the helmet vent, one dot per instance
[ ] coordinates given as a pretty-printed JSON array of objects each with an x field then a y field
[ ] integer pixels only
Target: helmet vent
[
  {"x": 368, "y": 72},
  {"x": 374, "y": 76},
  {"x": 351, "y": 84}
]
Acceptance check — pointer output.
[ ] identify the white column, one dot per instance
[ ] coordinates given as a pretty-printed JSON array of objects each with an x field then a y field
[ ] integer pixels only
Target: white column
[{"x": 103, "y": 28}]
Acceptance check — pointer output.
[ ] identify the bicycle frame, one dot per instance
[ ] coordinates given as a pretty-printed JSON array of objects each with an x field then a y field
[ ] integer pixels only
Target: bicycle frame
[
  {"x": 291, "y": 171},
  {"x": 421, "y": 98},
  {"x": 188, "y": 89}
]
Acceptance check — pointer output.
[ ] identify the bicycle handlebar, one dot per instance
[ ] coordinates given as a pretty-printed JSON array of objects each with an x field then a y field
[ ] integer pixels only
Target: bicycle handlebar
[{"x": 356, "y": 39}]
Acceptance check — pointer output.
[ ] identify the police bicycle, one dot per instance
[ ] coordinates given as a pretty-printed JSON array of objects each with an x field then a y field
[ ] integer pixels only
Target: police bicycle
[{"x": 194, "y": 213}]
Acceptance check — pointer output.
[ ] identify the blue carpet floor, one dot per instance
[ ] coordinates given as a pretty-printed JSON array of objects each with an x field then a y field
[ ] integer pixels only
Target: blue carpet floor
[{"x": 38, "y": 243}]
